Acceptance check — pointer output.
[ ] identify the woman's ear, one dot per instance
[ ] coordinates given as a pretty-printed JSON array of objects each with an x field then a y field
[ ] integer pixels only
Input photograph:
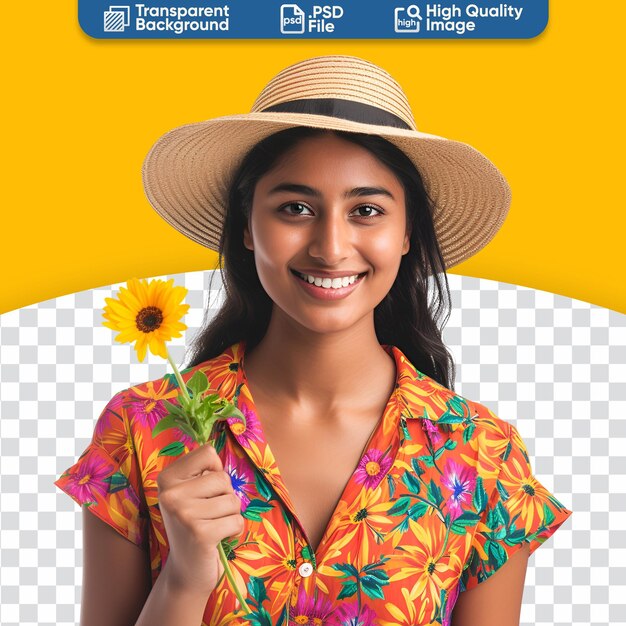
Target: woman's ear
[
  {"x": 247, "y": 238},
  {"x": 406, "y": 245}
]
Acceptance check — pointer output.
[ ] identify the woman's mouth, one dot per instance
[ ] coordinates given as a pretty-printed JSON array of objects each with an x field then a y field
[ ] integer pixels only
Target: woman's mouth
[{"x": 328, "y": 288}]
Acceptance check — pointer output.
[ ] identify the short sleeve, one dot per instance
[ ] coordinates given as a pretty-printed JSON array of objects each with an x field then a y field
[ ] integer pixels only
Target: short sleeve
[
  {"x": 107, "y": 477},
  {"x": 519, "y": 510}
]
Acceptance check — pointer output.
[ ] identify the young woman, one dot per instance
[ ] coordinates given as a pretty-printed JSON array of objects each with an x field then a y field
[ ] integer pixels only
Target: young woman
[{"x": 362, "y": 490}]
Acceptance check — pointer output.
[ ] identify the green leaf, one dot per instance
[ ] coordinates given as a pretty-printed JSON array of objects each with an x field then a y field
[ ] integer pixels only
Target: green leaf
[
  {"x": 468, "y": 432},
  {"x": 348, "y": 589},
  {"x": 504, "y": 494},
  {"x": 405, "y": 431},
  {"x": 185, "y": 404},
  {"x": 441, "y": 609},
  {"x": 175, "y": 409},
  {"x": 172, "y": 381},
  {"x": 263, "y": 487},
  {"x": 500, "y": 534},
  {"x": 518, "y": 536},
  {"x": 255, "y": 508},
  {"x": 172, "y": 449},
  {"x": 198, "y": 383},
  {"x": 163, "y": 424},
  {"x": 117, "y": 482},
  {"x": 418, "y": 510},
  {"x": 228, "y": 545},
  {"x": 548, "y": 515},
  {"x": 372, "y": 588},
  {"x": 502, "y": 513},
  {"x": 230, "y": 410},
  {"x": 465, "y": 520},
  {"x": 187, "y": 429},
  {"x": 434, "y": 493},
  {"x": 439, "y": 452},
  {"x": 417, "y": 468},
  {"x": 507, "y": 452},
  {"x": 391, "y": 483},
  {"x": 480, "y": 495},
  {"x": 347, "y": 568},
  {"x": 400, "y": 507},
  {"x": 449, "y": 418},
  {"x": 256, "y": 589},
  {"x": 497, "y": 553},
  {"x": 455, "y": 403},
  {"x": 493, "y": 520},
  {"x": 412, "y": 483}
]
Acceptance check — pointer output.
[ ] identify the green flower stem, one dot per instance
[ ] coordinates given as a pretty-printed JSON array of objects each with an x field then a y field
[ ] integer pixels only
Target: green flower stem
[
  {"x": 179, "y": 378},
  {"x": 220, "y": 548},
  {"x": 231, "y": 578},
  {"x": 445, "y": 543}
]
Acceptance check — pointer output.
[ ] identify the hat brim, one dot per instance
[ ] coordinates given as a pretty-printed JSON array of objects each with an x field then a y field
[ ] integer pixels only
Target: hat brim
[{"x": 188, "y": 171}]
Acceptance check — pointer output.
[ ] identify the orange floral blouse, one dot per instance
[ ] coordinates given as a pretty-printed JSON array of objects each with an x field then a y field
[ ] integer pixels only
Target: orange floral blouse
[{"x": 441, "y": 499}]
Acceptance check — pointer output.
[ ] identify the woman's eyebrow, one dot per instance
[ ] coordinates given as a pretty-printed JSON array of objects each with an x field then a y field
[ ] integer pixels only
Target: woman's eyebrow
[{"x": 310, "y": 191}]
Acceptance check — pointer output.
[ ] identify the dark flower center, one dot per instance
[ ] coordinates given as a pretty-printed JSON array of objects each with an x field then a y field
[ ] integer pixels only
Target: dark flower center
[
  {"x": 149, "y": 319},
  {"x": 361, "y": 515}
]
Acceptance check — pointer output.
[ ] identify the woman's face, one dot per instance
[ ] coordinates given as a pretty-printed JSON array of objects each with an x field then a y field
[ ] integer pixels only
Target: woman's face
[{"x": 328, "y": 208}]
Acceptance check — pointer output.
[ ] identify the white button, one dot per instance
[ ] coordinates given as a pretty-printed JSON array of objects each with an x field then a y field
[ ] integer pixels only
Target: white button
[{"x": 306, "y": 569}]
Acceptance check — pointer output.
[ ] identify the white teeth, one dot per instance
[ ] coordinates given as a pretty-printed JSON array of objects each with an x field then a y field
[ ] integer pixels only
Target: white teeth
[{"x": 329, "y": 283}]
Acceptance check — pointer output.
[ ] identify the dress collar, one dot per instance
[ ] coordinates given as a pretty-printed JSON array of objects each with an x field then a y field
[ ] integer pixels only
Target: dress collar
[{"x": 419, "y": 396}]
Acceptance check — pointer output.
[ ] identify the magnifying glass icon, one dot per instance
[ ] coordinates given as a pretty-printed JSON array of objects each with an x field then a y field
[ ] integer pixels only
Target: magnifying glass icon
[{"x": 413, "y": 11}]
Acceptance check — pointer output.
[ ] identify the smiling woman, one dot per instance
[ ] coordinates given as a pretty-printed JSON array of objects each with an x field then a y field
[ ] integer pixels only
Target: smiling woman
[
  {"x": 361, "y": 489},
  {"x": 307, "y": 217}
]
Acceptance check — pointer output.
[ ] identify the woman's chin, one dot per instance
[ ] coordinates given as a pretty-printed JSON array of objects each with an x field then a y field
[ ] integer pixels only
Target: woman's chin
[{"x": 326, "y": 322}]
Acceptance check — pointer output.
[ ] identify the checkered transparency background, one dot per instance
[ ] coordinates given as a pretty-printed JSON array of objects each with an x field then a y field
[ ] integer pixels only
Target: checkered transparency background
[{"x": 552, "y": 366}]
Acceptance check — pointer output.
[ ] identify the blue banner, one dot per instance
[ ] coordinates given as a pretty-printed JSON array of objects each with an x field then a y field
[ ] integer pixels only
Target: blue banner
[{"x": 340, "y": 19}]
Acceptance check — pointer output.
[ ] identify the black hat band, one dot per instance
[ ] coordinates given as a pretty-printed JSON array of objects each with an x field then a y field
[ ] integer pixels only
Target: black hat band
[{"x": 344, "y": 109}]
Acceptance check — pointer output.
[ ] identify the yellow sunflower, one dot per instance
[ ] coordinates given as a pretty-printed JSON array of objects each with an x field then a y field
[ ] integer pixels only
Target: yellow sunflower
[{"x": 148, "y": 314}]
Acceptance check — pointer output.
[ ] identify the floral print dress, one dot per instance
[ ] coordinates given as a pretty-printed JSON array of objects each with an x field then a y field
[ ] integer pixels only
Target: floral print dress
[{"x": 443, "y": 496}]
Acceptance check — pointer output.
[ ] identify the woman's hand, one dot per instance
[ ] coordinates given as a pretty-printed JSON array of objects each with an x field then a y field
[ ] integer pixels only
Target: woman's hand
[{"x": 199, "y": 508}]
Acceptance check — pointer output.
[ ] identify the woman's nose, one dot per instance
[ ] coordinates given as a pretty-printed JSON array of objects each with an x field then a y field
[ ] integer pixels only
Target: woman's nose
[{"x": 330, "y": 238}]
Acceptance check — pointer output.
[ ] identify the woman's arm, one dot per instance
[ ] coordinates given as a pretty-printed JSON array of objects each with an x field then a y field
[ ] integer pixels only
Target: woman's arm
[
  {"x": 496, "y": 601},
  {"x": 116, "y": 575},
  {"x": 117, "y": 584}
]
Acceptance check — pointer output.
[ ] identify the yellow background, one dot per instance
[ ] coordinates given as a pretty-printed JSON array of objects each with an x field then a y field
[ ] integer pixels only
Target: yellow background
[{"x": 80, "y": 115}]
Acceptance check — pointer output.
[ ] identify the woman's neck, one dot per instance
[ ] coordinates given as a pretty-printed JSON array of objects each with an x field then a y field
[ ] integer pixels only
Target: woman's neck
[{"x": 320, "y": 373}]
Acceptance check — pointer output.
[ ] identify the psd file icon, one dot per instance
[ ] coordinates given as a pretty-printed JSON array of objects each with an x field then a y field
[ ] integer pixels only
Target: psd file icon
[
  {"x": 116, "y": 19},
  {"x": 291, "y": 19}
]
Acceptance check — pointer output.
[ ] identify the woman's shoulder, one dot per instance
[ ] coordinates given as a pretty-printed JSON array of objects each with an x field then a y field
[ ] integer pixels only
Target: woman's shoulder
[
  {"x": 144, "y": 402},
  {"x": 445, "y": 429},
  {"x": 440, "y": 408}
]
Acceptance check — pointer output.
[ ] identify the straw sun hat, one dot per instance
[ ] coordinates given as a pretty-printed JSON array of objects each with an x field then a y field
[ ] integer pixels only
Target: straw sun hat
[{"x": 188, "y": 171}]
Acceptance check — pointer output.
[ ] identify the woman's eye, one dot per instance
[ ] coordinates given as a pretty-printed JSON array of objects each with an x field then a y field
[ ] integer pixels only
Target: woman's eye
[
  {"x": 369, "y": 208},
  {"x": 298, "y": 205},
  {"x": 298, "y": 208}
]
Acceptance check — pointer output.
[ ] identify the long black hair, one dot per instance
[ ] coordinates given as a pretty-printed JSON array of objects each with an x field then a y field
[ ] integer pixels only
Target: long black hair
[{"x": 407, "y": 317}]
